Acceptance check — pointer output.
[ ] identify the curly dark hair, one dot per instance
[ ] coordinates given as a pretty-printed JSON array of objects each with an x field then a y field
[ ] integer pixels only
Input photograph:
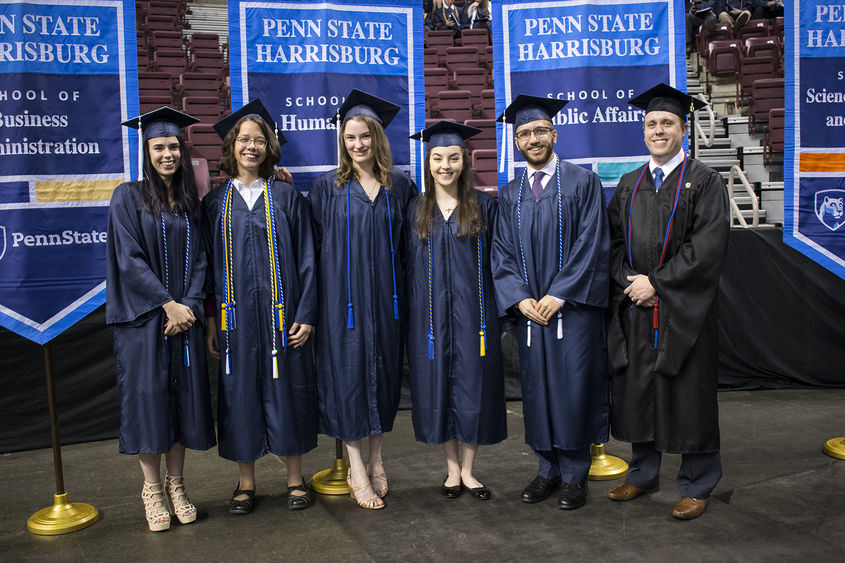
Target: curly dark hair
[{"x": 273, "y": 154}]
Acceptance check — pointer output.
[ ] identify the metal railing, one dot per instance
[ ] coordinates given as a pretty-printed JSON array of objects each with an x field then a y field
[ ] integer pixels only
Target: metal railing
[
  {"x": 736, "y": 172},
  {"x": 706, "y": 138}
]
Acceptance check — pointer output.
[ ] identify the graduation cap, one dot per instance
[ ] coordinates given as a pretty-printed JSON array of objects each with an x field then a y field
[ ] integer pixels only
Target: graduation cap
[
  {"x": 665, "y": 98},
  {"x": 360, "y": 103},
  {"x": 255, "y": 107},
  {"x": 525, "y": 109},
  {"x": 162, "y": 122},
  {"x": 446, "y": 134}
]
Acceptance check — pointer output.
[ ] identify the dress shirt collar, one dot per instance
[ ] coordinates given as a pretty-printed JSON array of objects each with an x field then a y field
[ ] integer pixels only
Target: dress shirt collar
[{"x": 669, "y": 166}]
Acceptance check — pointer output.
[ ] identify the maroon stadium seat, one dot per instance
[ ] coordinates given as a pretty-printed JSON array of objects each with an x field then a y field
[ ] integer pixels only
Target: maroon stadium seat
[
  {"x": 199, "y": 84},
  {"x": 155, "y": 83},
  {"x": 455, "y": 105},
  {"x": 436, "y": 80},
  {"x": 204, "y": 42},
  {"x": 475, "y": 38},
  {"x": 150, "y": 102},
  {"x": 754, "y": 68},
  {"x": 476, "y": 80},
  {"x": 207, "y": 61},
  {"x": 171, "y": 61},
  {"x": 204, "y": 108},
  {"x": 167, "y": 40},
  {"x": 767, "y": 93},
  {"x": 720, "y": 32},
  {"x": 461, "y": 57},
  {"x": 201, "y": 175},
  {"x": 775, "y": 134},
  {"x": 488, "y": 104},
  {"x": 205, "y": 143},
  {"x": 440, "y": 40},
  {"x": 485, "y": 140},
  {"x": 754, "y": 28},
  {"x": 484, "y": 163}
]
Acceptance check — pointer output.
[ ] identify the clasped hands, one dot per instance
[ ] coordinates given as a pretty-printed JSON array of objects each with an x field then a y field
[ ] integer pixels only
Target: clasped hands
[
  {"x": 539, "y": 311},
  {"x": 641, "y": 292},
  {"x": 297, "y": 336}
]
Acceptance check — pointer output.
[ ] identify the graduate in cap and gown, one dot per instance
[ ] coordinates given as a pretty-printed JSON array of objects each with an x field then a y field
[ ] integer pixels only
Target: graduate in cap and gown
[
  {"x": 454, "y": 336},
  {"x": 359, "y": 210},
  {"x": 155, "y": 270},
  {"x": 669, "y": 224},
  {"x": 550, "y": 269},
  {"x": 263, "y": 277}
]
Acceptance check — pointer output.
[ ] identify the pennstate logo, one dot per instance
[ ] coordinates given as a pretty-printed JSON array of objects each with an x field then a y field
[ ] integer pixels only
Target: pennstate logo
[
  {"x": 830, "y": 208},
  {"x": 2, "y": 241}
]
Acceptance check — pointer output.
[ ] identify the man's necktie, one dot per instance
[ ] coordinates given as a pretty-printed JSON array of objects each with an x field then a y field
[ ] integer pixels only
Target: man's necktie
[
  {"x": 537, "y": 186},
  {"x": 658, "y": 178}
]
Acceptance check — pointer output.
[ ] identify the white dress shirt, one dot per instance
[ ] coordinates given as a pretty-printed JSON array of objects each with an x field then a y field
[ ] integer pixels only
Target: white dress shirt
[
  {"x": 250, "y": 193},
  {"x": 668, "y": 167}
]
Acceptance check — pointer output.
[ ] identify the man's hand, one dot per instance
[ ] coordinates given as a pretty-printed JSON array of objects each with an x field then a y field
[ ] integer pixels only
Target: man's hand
[
  {"x": 547, "y": 307},
  {"x": 640, "y": 291},
  {"x": 528, "y": 307}
]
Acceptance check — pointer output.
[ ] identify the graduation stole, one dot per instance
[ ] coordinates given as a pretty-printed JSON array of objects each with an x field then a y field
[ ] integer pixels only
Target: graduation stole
[
  {"x": 227, "y": 309},
  {"x": 449, "y": 19},
  {"x": 559, "y": 243},
  {"x": 655, "y": 315},
  {"x": 185, "y": 348},
  {"x": 482, "y": 332},
  {"x": 350, "y": 324}
]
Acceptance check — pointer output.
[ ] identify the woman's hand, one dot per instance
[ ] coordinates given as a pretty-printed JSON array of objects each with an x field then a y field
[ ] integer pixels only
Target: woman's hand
[
  {"x": 211, "y": 341},
  {"x": 298, "y": 334},
  {"x": 179, "y": 318}
]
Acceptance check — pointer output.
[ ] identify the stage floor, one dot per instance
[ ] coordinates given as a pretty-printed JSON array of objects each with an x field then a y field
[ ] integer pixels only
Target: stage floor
[{"x": 781, "y": 499}]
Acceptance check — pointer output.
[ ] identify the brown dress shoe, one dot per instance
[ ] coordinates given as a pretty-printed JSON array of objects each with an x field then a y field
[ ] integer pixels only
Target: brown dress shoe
[
  {"x": 625, "y": 492},
  {"x": 689, "y": 508}
]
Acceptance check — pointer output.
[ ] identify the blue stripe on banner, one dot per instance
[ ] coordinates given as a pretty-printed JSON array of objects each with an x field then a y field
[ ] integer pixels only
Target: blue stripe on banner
[
  {"x": 814, "y": 194},
  {"x": 301, "y": 58},
  {"x": 596, "y": 55},
  {"x": 611, "y": 172}
]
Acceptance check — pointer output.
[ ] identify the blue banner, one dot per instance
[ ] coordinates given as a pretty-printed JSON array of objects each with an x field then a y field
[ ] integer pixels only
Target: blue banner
[
  {"x": 68, "y": 78},
  {"x": 814, "y": 155},
  {"x": 301, "y": 58},
  {"x": 596, "y": 54}
]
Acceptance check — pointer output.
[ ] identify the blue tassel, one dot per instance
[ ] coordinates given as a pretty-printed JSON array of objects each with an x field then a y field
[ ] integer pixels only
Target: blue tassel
[
  {"x": 284, "y": 338},
  {"x": 186, "y": 352},
  {"x": 430, "y": 347},
  {"x": 395, "y": 307},
  {"x": 349, "y": 322},
  {"x": 655, "y": 339},
  {"x": 167, "y": 350}
]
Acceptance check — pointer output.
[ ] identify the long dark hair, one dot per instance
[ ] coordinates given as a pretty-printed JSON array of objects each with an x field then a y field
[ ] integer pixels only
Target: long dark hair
[
  {"x": 383, "y": 161},
  {"x": 470, "y": 220},
  {"x": 154, "y": 191},
  {"x": 272, "y": 155}
]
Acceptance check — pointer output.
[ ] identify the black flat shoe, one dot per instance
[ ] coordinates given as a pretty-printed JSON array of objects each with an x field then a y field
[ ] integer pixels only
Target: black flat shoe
[
  {"x": 298, "y": 502},
  {"x": 242, "y": 506},
  {"x": 480, "y": 493},
  {"x": 572, "y": 495},
  {"x": 450, "y": 492},
  {"x": 540, "y": 489}
]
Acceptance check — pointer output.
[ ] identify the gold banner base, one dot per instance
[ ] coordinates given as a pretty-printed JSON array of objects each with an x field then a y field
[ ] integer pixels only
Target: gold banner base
[
  {"x": 835, "y": 447},
  {"x": 62, "y": 518},
  {"x": 332, "y": 481},
  {"x": 605, "y": 467}
]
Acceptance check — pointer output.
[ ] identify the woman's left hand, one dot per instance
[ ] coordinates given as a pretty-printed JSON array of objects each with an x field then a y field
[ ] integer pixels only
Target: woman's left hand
[{"x": 298, "y": 334}]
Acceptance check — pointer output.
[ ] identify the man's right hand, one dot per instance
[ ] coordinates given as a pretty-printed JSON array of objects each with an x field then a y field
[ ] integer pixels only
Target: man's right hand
[{"x": 528, "y": 307}]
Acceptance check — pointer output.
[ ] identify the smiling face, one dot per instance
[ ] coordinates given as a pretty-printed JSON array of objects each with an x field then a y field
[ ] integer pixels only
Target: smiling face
[
  {"x": 538, "y": 149},
  {"x": 164, "y": 156},
  {"x": 446, "y": 165},
  {"x": 358, "y": 142},
  {"x": 664, "y": 135},
  {"x": 250, "y": 148}
]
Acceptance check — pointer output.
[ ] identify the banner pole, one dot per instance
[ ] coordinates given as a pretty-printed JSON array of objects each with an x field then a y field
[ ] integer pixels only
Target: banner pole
[
  {"x": 332, "y": 481},
  {"x": 63, "y": 517}
]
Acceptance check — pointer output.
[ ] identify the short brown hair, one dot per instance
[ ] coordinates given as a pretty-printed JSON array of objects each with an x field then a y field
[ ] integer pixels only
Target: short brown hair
[
  {"x": 273, "y": 154},
  {"x": 383, "y": 165}
]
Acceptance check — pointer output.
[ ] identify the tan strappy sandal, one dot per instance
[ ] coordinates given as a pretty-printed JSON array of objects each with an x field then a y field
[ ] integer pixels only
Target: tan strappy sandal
[
  {"x": 182, "y": 507},
  {"x": 371, "y": 502},
  {"x": 155, "y": 505},
  {"x": 379, "y": 481}
]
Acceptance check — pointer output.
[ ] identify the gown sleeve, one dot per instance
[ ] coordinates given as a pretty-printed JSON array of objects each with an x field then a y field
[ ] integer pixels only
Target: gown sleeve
[
  {"x": 132, "y": 288},
  {"x": 619, "y": 272},
  {"x": 504, "y": 260},
  {"x": 306, "y": 260},
  {"x": 688, "y": 281},
  {"x": 584, "y": 276}
]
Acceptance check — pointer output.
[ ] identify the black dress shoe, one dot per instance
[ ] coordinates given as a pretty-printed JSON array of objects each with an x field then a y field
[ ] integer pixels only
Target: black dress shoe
[
  {"x": 242, "y": 506},
  {"x": 480, "y": 493},
  {"x": 450, "y": 492},
  {"x": 572, "y": 495},
  {"x": 298, "y": 502},
  {"x": 540, "y": 489}
]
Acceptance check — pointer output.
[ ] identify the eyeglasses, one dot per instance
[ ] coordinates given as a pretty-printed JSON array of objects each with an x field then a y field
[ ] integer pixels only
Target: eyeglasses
[
  {"x": 525, "y": 134},
  {"x": 259, "y": 142}
]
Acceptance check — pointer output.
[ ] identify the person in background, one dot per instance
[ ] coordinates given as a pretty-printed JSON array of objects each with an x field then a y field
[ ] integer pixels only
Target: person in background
[
  {"x": 446, "y": 16},
  {"x": 477, "y": 15}
]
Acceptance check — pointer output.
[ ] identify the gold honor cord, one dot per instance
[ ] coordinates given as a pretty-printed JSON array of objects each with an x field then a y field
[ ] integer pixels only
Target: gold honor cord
[{"x": 227, "y": 309}]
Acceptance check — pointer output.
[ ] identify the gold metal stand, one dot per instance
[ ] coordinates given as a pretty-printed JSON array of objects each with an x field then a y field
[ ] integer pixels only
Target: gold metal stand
[
  {"x": 332, "y": 481},
  {"x": 63, "y": 517},
  {"x": 835, "y": 447},
  {"x": 605, "y": 467}
]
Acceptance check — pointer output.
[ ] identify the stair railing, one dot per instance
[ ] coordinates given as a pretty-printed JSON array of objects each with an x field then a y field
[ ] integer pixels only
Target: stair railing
[
  {"x": 700, "y": 135},
  {"x": 736, "y": 172}
]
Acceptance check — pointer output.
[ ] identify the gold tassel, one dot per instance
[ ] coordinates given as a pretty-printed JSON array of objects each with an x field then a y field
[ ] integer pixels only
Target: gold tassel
[
  {"x": 280, "y": 313},
  {"x": 223, "y": 323},
  {"x": 483, "y": 344}
]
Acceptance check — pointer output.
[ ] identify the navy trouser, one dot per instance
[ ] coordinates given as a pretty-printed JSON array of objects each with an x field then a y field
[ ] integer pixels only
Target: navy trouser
[
  {"x": 697, "y": 477},
  {"x": 572, "y": 466}
]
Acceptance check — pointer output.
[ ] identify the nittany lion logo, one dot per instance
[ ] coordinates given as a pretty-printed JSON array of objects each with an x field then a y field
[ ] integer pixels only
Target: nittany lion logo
[
  {"x": 830, "y": 208},
  {"x": 2, "y": 241}
]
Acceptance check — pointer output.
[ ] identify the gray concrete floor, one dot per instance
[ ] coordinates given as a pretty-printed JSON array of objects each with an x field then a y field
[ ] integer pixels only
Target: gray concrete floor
[{"x": 781, "y": 499}]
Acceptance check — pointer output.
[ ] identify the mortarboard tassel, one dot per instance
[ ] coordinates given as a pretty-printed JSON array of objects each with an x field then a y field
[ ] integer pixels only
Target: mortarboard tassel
[
  {"x": 528, "y": 332},
  {"x": 140, "y": 151},
  {"x": 559, "y": 325},
  {"x": 275, "y": 365},
  {"x": 349, "y": 321},
  {"x": 350, "y": 324},
  {"x": 228, "y": 365},
  {"x": 186, "y": 352},
  {"x": 430, "y": 346},
  {"x": 395, "y": 307},
  {"x": 483, "y": 351},
  {"x": 655, "y": 321}
]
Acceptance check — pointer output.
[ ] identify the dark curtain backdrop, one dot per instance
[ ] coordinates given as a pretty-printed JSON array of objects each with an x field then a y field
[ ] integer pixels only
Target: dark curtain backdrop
[{"x": 781, "y": 320}]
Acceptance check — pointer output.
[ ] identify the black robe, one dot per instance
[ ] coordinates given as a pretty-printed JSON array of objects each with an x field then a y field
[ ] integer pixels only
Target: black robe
[
  {"x": 257, "y": 414},
  {"x": 669, "y": 394},
  {"x": 564, "y": 381},
  {"x": 359, "y": 369},
  {"x": 162, "y": 401},
  {"x": 457, "y": 394}
]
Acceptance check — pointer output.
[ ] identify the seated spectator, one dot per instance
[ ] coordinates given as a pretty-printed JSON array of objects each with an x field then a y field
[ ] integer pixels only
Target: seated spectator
[
  {"x": 477, "y": 15},
  {"x": 767, "y": 9},
  {"x": 736, "y": 12},
  {"x": 447, "y": 16},
  {"x": 701, "y": 13}
]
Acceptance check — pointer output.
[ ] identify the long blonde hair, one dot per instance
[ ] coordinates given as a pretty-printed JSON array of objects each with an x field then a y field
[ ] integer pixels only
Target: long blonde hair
[{"x": 383, "y": 161}]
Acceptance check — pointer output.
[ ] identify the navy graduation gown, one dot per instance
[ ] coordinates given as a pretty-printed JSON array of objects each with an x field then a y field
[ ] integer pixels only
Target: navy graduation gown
[
  {"x": 458, "y": 394},
  {"x": 257, "y": 414},
  {"x": 564, "y": 381},
  {"x": 359, "y": 369},
  {"x": 668, "y": 395},
  {"x": 162, "y": 401}
]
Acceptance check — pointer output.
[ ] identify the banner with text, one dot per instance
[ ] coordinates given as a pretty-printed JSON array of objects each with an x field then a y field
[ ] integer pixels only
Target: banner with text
[
  {"x": 814, "y": 155},
  {"x": 68, "y": 78},
  {"x": 301, "y": 58},
  {"x": 596, "y": 54}
]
